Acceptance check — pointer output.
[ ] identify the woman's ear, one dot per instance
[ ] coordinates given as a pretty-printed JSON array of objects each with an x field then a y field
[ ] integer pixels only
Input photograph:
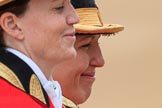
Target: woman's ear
[{"x": 9, "y": 24}]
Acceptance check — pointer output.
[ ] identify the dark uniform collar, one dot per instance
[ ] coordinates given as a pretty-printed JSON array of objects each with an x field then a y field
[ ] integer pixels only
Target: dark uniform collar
[{"x": 20, "y": 75}]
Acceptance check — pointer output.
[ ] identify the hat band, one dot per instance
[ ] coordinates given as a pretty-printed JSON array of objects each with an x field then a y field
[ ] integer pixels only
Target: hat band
[{"x": 89, "y": 16}]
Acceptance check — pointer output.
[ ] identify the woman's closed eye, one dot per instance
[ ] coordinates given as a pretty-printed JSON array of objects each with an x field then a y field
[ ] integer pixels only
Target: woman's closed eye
[
  {"x": 86, "y": 45},
  {"x": 59, "y": 8}
]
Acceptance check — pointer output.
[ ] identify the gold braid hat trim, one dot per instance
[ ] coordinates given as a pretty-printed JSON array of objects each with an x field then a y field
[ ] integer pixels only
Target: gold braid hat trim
[
  {"x": 89, "y": 16},
  {"x": 9, "y": 75},
  {"x": 3, "y": 2}
]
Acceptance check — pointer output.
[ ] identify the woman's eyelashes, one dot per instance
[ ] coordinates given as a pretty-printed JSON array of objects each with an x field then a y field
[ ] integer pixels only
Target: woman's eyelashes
[
  {"x": 86, "y": 45},
  {"x": 59, "y": 8}
]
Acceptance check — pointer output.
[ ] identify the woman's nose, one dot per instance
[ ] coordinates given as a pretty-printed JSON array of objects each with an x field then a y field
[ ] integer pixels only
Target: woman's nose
[
  {"x": 73, "y": 17},
  {"x": 97, "y": 59}
]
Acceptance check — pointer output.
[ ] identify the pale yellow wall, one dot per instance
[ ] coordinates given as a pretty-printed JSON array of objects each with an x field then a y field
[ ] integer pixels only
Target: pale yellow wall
[{"x": 132, "y": 76}]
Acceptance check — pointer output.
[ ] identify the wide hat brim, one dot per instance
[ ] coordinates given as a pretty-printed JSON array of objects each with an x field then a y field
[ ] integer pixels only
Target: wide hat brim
[
  {"x": 92, "y": 29},
  {"x": 91, "y": 23}
]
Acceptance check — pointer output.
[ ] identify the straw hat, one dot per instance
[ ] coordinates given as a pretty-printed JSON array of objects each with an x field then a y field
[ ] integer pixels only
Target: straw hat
[{"x": 90, "y": 19}]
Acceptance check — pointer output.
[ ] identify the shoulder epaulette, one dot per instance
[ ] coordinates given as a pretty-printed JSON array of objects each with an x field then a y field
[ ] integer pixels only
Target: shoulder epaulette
[{"x": 68, "y": 103}]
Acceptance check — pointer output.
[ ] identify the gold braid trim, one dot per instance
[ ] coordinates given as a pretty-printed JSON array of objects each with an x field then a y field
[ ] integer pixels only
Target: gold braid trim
[
  {"x": 36, "y": 89},
  {"x": 89, "y": 16},
  {"x": 9, "y": 75},
  {"x": 35, "y": 86},
  {"x": 67, "y": 102}
]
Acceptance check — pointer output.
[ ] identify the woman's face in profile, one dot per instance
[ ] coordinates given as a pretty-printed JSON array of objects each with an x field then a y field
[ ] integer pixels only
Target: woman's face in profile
[
  {"x": 48, "y": 29},
  {"x": 77, "y": 75}
]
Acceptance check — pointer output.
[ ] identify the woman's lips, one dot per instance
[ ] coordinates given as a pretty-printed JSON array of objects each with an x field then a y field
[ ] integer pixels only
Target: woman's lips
[
  {"x": 71, "y": 34},
  {"x": 88, "y": 76},
  {"x": 91, "y": 74},
  {"x": 70, "y": 37}
]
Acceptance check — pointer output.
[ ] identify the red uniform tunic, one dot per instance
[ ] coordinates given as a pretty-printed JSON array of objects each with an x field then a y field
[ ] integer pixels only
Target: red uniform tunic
[
  {"x": 19, "y": 86},
  {"x": 12, "y": 97}
]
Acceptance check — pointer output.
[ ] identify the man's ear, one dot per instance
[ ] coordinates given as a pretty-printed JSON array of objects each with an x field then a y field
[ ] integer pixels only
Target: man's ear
[{"x": 9, "y": 24}]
